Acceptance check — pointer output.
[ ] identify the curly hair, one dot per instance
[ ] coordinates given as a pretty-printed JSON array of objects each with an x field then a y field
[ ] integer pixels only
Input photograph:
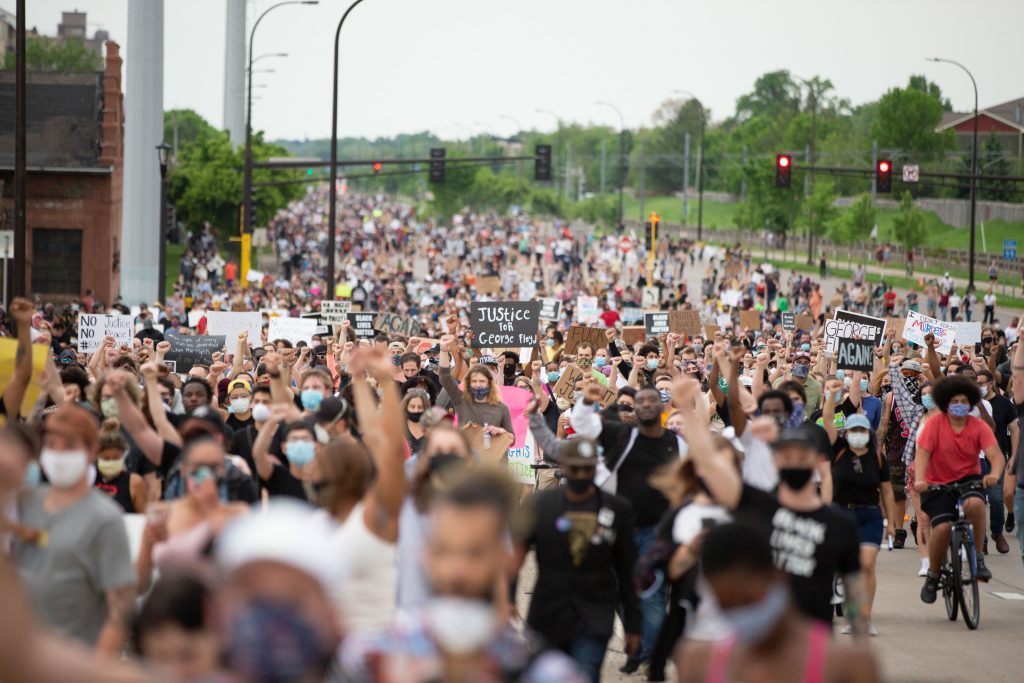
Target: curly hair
[{"x": 947, "y": 388}]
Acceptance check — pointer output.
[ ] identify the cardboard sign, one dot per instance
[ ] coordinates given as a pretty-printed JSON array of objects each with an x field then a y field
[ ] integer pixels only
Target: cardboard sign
[
  {"x": 789, "y": 321},
  {"x": 394, "y": 324},
  {"x": 567, "y": 382},
  {"x": 651, "y": 298},
  {"x": 855, "y": 354},
  {"x": 187, "y": 351},
  {"x": 578, "y": 334},
  {"x": 631, "y": 315},
  {"x": 896, "y": 325},
  {"x": 918, "y": 326},
  {"x": 656, "y": 323},
  {"x": 968, "y": 333},
  {"x": 608, "y": 397},
  {"x": 805, "y": 322},
  {"x": 490, "y": 450},
  {"x": 550, "y": 309},
  {"x": 711, "y": 330},
  {"x": 232, "y": 324},
  {"x": 504, "y": 323},
  {"x": 489, "y": 284},
  {"x": 521, "y": 457},
  {"x": 93, "y": 328},
  {"x": 420, "y": 267},
  {"x": 362, "y": 324},
  {"x": 294, "y": 330},
  {"x": 686, "y": 322},
  {"x": 587, "y": 309},
  {"x": 633, "y": 334},
  {"x": 335, "y": 312},
  {"x": 750, "y": 320},
  {"x": 849, "y": 325}
]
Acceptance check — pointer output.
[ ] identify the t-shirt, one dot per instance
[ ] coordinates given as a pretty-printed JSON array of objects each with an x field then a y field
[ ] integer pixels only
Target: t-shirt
[
  {"x": 850, "y": 487},
  {"x": 811, "y": 547},
  {"x": 283, "y": 483},
  {"x": 758, "y": 467},
  {"x": 954, "y": 455},
  {"x": 694, "y": 518},
  {"x": 1003, "y": 413},
  {"x": 646, "y": 456},
  {"x": 85, "y": 555}
]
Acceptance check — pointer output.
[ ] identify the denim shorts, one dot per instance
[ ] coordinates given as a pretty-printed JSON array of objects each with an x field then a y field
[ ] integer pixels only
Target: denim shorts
[{"x": 869, "y": 522}]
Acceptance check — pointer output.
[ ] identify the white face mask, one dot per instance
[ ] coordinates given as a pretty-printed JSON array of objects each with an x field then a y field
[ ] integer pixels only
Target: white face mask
[
  {"x": 857, "y": 439},
  {"x": 261, "y": 412},
  {"x": 460, "y": 626},
  {"x": 64, "y": 469},
  {"x": 239, "y": 405}
]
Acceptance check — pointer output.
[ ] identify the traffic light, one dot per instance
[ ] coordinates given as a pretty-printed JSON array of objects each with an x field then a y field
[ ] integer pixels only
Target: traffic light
[
  {"x": 651, "y": 231},
  {"x": 309, "y": 171},
  {"x": 250, "y": 217},
  {"x": 376, "y": 167},
  {"x": 542, "y": 162},
  {"x": 783, "y": 168},
  {"x": 437, "y": 165},
  {"x": 883, "y": 176}
]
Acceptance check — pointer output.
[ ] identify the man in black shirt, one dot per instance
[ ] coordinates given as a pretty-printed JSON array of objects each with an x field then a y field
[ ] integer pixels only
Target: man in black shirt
[
  {"x": 633, "y": 454},
  {"x": 1007, "y": 433},
  {"x": 285, "y": 476}
]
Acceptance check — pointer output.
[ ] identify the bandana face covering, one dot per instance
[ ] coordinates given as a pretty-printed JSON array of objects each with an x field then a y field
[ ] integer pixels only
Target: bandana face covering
[{"x": 913, "y": 387}]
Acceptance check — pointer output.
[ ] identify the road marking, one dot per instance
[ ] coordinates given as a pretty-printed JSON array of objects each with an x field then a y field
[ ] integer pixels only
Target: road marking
[{"x": 1009, "y": 596}]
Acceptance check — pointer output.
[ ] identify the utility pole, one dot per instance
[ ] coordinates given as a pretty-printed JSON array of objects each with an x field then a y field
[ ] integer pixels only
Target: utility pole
[
  {"x": 604, "y": 152},
  {"x": 810, "y": 175},
  {"x": 642, "y": 192},
  {"x": 874, "y": 171},
  {"x": 686, "y": 179},
  {"x": 20, "y": 158}
]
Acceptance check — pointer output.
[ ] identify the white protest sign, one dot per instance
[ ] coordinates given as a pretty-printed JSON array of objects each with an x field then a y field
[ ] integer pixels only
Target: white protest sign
[
  {"x": 93, "y": 328},
  {"x": 194, "y": 316},
  {"x": 527, "y": 290},
  {"x": 918, "y": 326},
  {"x": 650, "y": 298},
  {"x": 292, "y": 329},
  {"x": 731, "y": 297},
  {"x": 420, "y": 268},
  {"x": 587, "y": 309},
  {"x": 967, "y": 333},
  {"x": 231, "y": 324},
  {"x": 335, "y": 312}
]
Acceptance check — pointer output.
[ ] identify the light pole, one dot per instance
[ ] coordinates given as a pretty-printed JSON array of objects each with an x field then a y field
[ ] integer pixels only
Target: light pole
[
  {"x": 622, "y": 153},
  {"x": 332, "y": 190},
  {"x": 163, "y": 151},
  {"x": 974, "y": 162},
  {"x": 247, "y": 207},
  {"x": 700, "y": 164},
  {"x": 814, "y": 136},
  {"x": 558, "y": 152}
]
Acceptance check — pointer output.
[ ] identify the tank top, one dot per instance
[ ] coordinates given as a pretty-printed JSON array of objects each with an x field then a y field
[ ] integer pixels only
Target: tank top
[
  {"x": 182, "y": 549},
  {"x": 365, "y": 594},
  {"x": 814, "y": 668},
  {"x": 897, "y": 434},
  {"x": 119, "y": 488}
]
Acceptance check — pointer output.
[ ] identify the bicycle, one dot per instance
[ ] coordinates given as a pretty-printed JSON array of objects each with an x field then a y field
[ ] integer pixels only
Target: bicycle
[{"x": 958, "y": 578}]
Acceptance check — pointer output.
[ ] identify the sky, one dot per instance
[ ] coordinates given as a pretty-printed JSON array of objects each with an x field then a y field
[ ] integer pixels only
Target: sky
[{"x": 461, "y": 67}]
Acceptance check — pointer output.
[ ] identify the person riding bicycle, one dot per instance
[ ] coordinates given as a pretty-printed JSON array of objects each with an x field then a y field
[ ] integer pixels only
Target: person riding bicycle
[{"x": 947, "y": 453}]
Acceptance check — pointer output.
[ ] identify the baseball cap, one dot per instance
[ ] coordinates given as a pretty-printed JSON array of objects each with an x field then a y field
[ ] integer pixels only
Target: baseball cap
[
  {"x": 578, "y": 452},
  {"x": 858, "y": 421},
  {"x": 911, "y": 365},
  {"x": 73, "y": 421},
  {"x": 239, "y": 383},
  {"x": 488, "y": 360},
  {"x": 800, "y": 435}
]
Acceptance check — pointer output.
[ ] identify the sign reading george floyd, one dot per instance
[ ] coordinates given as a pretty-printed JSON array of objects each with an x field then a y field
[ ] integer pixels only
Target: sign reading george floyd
[
  {"x": 504, "y": 323},
  {"x": 187, "y": 351},
  {"x": 849, "y": 325},
  {"x": 855, "y": 354}
]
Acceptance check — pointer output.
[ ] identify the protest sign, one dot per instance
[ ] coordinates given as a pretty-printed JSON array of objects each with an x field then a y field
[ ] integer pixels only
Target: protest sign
[
  {"x": 750, "y": 320},
  {"x": 789, "y": 321},
  {"x": 334, "y": 312},
  {"x": 632, "y": 334},
  {"x": 918, "y": 326},
  {"x": 194, "y": 316},
  {"x": 322, "y": 329},
  {"x": 711, "y": 330},
  {"x": 686, "y": 322},
  {"x": 651, "y": 298},
  {"x": 587, "y": 309},
  {"x": 93, "y": 328},
  {"x": 187, "y": 351},
  {"x": 527, "y": 290},
  {"x": 968, "y": 333},
  {"x": 896, "y": 325},
  {"x": 566, "y": 384},
  {"x": 850, "y": 325},
  {"x": 578, "y": 334},
  {"x": 520, "y": 459},
  {"x": 855, "y": 354},
  {"x": 656, "y": 323},
  {"x": 294, "y": 330},
  {"x": 550, "y": 309},
  {"x": 504, "y": 323},
  {"x": 731, "y": 297},
  {"x": 608, "y": 397},
  {"x": 232, "y": 324},
  {"x": 631, "y": 315},
  {"x": 420, "y": 268},
  {"x": 391, "y": 323},
  {"x": 490, "y": 450},
  {"x": 804, "y": 322},
  {"x": 362, "y": 324},
  {"x": 489, "y": 284}
]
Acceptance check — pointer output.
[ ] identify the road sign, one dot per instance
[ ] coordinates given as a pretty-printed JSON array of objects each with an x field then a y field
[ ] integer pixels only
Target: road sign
[
  {"x": 911, "y": 173},
  {"x": 1009, "y": 249},
  {"x": 6, "y": 244}
]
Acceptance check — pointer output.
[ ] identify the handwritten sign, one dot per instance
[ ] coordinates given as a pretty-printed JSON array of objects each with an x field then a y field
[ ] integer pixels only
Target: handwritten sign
[
  {"x": 578, "y": 334},
  {"x": 504, "y": 323},
  {"x": 294, "y": 330},
  {"x": 550, "y": 309},
  {"x": 918, "y": 326},
  {"x": 750, "y": 320},
  {"x": 322, "y": 328},
  {"x": 187, "y": 351},
  {"x": 391, "y": 323},
  {"x": 232, "y": 324},
  {"x": 587, "y": 309},
  {"x": 656, "y": 323},
  {"x": 686, "y": 322},
  {"x": 855, "y": 354},
  {"x": 489, "y": 284},
  {"x": 567, "y": 382},
  {"x": 362, "y": 324},
  {"x": 93, "y": 328},
  {"x": 631, "y": 334},
  {"x": 850, "y": 325},
  {"x": 334, "y": 312}
]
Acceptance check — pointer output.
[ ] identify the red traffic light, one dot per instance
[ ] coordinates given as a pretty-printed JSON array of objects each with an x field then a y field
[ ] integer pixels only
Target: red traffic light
[
  {"x": 376, "y": 167},
  {"x": 783, "y": 160},
  {"x": 883, "y": 166}
]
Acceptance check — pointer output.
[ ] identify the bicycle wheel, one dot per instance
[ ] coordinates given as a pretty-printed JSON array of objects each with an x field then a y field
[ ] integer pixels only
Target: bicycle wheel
[
  {"x": 966, "y": 582},
  {"x": 951, "y": 566}
]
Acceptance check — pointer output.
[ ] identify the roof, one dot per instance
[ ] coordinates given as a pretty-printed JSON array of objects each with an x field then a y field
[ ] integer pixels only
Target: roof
[
  {"x": 65, "y": 120},
  {"x": 1010, "y": 113}
]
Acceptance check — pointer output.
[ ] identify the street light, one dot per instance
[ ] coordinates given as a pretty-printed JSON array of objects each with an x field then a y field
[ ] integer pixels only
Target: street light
[
  {"x": 247, "y": 207},
  {"x": 163, "y": 151},
  {"x": 700, "y": 163},
  {"x": 332, "y": 214},
  {"x": 974, "y": 161},
  {"x": 267, "y": 55},
  {"x": 814, "y": 94},
  {"x": 622, "y": 153},
  {"x": 558, "y": 151}
]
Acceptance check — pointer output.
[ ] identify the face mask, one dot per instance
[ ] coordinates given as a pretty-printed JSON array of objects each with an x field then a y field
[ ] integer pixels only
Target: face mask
[
  {"x": 413, "y": 417},
  {"x": 841, "y": 374},
  {"x": 801, "y": 371},
  {"x": 396, "y": 361},
  {"x": 795, "y": 477},
  {"x": 550, "y": 343},
  {"x": 579, "y": 486},
  {"x": 665, "y": 395},
  {"x": 838, "y": 396},
  {"x": 64, "y": 469},
  {"x": 699, "y": 348},
  {"x": 260, "y": 412},
  {"x": 863, "y": 385},
  {"x": 799, "y": 410},
  {"x": 563, "y": 404},
  {"x": 108, "y": 407},
  {"x": 805, "y": 347},
  {"x": 239, "y": 405},
  {"x": 600, "y": 361},
  {"x": 752, "y": 623},
  {"x": 311, "y": 399},
  {"x": 300, "y": 453},
  {"x": 460, "y": 626},
  {"x": 576, "y": 396},
  {"x": 480, "y": 393},
  {"x": 553, "y": 377},
  {"x": 959, "y": 409},
  {"x": 110, "y": 468},
  {"x": 857, "y": 439},
  {"x": 928, "y": 402},
  {"x": 32, "y": 474},
  {"x": 584, "y": 363},
  {"x": 652, "y": 363},
  {"x": 271, "y": 643}
]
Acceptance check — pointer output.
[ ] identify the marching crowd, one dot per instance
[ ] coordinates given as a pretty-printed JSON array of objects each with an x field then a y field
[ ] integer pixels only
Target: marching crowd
[{"x": 343, "y": 508}]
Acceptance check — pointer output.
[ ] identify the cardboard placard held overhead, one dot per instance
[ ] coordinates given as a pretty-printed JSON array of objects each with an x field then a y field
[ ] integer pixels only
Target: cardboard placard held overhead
[
  {"x": 187, "y": 351},
  {"x": 968, "y": 333},
  {"x": 294, "y": 330},
  {"x": 490, "y": 450},
  {"x": 855, "y": 354},
  {"x": 789, "y": 321},
  {"x": 488, "y": 284},
  {"x": 392, "y": 323},
  {"x": 334, "y": 312},
  {"x": 896, "y": 325},
  {"x": 711, "y": 330},
  {"x": 608, "y": 397},
  {"x": 919, "y": 326},
  {"x": 804, "y": 322},
  {"x": 631, "y": 315},
  {"x": 578, "y": 334},
  {"x": 504, "y": 323},
  {"x": 567, "y": 382},
  {"x": 322, "y": 328},
  {"x": 750, "y": 320},
  {"x": 686, "y": 322},
  {"x": 850, "y": 325},
  {"x": 656, "y": 323},
  {"x": 362, "y": 324},
  {"x": 93, "y": 327},
  {"x": 587, "y": 309},
  {"x": 633, "y": 334},
  {"x": 550, "y": 309},
  {"x": 232, "y": 324}
]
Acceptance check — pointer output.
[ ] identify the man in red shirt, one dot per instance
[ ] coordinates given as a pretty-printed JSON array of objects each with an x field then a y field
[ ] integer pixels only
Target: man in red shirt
[
  {"x": 948, "y": 451},
  {"x": 608, "y": 316}
]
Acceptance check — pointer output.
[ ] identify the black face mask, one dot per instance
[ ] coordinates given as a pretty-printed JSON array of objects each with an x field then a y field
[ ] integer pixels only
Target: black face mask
[
  {"x": 509, "y": 370},
  {"x": 795, "y": 477},
  {"x": 579, "y": 486},
  {"x": 414, "y": 417},
  {"x": 442, "y": 461}
]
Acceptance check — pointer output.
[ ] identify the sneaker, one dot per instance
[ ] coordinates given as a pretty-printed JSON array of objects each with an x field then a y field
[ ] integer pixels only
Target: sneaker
[
  {"x": 983, "y": 573},
  {"x": 846, "y": 630},
  {"x": 1010, "y": 522},
  {"x": 923, "y": 571},
  {"x": 631, "y": 665},
  {"x": 872, "y": 631},
  {"x": 1001, "y": 545},
  {"x": 930, "y": 588},
  {"x": 900, "y": 539}
]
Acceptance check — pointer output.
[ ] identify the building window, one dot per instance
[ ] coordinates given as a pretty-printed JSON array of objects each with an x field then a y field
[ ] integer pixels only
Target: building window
[{"x": 56, "y": 261}]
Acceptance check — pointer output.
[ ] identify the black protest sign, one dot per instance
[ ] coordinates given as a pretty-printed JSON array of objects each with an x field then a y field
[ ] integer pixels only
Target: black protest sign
[
  {"x": 656, "y": 323},
  {"x": 789, "y": 321},
  {"x": 849, "y": 325},
  {"x": 550, "y": 308},
  {"x": 504, "y": 323},
  {"x": 322, "y": 329},
  {"x": 187, "y": 351},
  {"x": 362, "y": 324},
  {"x": 855, "y": 354},
  {"x": 394, "y": 324}
]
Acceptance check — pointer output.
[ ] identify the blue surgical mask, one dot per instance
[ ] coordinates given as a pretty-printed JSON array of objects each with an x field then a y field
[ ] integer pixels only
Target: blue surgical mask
[
  {"x": 311, "y": 399},
  {"x": 600, "y": 361},
  {"x": 959, "y": 409},
  {"x": 805, "y": 347},
  {"x": 840, "y": 374},
  {"x": 752, "y": 623},
  {"x": 32, "y": 474},
  {"x": 802, "y": 371},
  {"x": 553, "y": 377},
  {"x": 550, "y": 343},
  {"x": 652, "y": 363},
  {"x": 838, "y": 396},
  {"x": 863, "y": 385},
  {"x": 301, "y": 453},
  {"x": 928, "y": 402},
  {"x": 665, "y": 395},
  {"x": 481, "y": 393}
]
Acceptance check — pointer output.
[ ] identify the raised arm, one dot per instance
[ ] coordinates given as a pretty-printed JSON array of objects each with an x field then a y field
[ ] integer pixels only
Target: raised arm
[
  {"x": 132, "y": 419},
  {"x": 718, "y": 474},
  {"x": 1017, "y": 366},
  {"x": 261, "y": 447},
  {"x": 21, "y": 310},
  {"x": 584, "y": 418},
  {"x": 163, "y": 426},
  {"x": 737, "y": 415},
  {"x": 445, "y": 373}
]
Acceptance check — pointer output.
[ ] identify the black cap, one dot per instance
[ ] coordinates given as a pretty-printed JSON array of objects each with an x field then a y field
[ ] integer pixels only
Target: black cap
[
  {"x": 331, "y": 410},
  {"x": 803, "y": 435}
]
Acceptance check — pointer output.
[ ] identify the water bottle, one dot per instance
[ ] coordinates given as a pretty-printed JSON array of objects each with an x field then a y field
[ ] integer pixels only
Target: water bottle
[{"x": 487, "y": 438}]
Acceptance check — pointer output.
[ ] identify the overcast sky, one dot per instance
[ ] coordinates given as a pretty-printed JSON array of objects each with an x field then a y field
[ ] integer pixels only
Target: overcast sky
[{"x": 455, "y": 66}]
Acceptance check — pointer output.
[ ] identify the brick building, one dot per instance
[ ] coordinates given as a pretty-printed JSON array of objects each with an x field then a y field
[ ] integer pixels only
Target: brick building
[{"x": 75, "y": 178}]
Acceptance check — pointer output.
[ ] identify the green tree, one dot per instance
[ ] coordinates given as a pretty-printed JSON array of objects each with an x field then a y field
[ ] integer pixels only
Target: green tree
[
  {"x": 908, "y": 224},
  {"x": 818, "y": 213},
  {"x": 768, "y": 207},
  {"x": 854, "y": 225},
  {"x": 993, "y": 162},
  {"x": 190, "y": 127},
  {"x": 907, "y": 118},
  {"x": 64, "y": 56}
]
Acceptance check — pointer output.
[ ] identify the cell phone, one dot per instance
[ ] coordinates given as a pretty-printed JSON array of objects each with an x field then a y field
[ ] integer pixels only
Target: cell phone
[{"x": 977, "y": 347}]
